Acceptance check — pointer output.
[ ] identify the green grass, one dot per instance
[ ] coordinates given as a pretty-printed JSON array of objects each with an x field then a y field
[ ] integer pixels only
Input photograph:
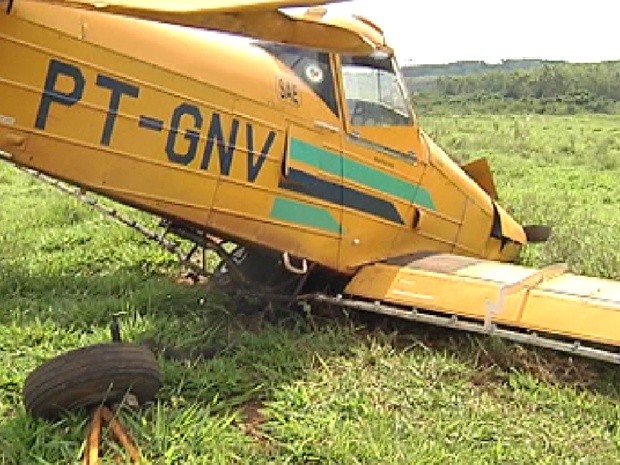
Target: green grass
[
  {"x": 302, "y": 390},
  {"x": 556, "y": 170}
]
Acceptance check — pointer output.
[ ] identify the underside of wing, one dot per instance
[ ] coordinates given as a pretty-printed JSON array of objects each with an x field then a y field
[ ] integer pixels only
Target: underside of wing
[
  {"x": 192, "y": 6},
  {"x": 548, "y": 301},
  {"x": 262, "y": 20}
]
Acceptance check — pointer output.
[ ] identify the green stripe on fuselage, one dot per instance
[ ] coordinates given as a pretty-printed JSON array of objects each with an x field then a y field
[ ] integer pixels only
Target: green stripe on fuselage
[
  {"x": 358, "y": 172},
  {"x": 302, "y": 213}
]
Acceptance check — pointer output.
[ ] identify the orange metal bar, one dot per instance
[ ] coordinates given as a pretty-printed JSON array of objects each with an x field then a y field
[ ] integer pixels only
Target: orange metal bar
[{"x": 91, "y": 454}]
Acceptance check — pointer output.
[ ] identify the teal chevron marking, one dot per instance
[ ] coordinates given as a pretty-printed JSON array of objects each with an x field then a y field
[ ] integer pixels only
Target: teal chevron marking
[
  {"x": 360, "y": 173},
  {"x": 423, "y": 198},
  {"x": 301, "y": 213}
]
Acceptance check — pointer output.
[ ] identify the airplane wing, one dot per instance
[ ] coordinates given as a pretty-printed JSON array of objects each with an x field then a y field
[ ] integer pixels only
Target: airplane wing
[
  {"x": 259, "y": 19},
  {"x": 192, "y": 6},
  {"x": 549, "y": 300}
]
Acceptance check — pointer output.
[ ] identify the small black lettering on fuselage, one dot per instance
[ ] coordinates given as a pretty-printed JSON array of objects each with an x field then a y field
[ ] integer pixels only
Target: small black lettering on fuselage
[
  {"x": 189, "y": 127},
  {"x": 288, "y": 91}
]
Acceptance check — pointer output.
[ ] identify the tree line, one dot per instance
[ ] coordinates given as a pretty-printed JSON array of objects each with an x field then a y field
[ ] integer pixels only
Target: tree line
[{"x": 556, "y": 88}]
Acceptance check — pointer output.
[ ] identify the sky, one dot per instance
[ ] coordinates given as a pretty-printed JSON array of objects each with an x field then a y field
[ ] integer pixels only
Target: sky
[{"x": 443, "y": 31}]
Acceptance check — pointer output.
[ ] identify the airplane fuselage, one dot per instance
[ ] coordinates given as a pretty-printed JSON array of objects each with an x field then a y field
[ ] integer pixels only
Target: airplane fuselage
[{"x": 230, "y": 137}]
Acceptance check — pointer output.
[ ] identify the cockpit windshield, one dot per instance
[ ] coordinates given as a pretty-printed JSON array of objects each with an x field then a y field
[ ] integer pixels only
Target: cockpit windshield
[{"x": 374, "y": 93}]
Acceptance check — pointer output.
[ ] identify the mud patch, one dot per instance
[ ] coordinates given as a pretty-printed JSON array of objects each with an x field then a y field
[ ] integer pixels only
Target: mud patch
[{"x": 252, "y": 418}]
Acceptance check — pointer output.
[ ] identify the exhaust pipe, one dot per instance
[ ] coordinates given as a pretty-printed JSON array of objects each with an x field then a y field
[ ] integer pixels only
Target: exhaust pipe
[{"x": 537, "y": 233}]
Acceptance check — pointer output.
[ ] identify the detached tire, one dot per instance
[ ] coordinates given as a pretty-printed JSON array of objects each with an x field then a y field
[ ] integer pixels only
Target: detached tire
[{"x": 90, "y": 376}]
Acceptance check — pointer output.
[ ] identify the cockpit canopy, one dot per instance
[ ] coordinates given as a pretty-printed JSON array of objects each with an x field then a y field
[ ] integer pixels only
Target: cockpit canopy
[
  {"x": 374, "y": 92},
  {"x": 373, "y": 88}
]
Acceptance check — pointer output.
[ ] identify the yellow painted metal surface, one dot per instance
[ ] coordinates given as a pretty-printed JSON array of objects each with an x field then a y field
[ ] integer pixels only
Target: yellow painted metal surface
[
  {"x": 550, "y": 300},
  {"x": 229, "y": 137},
  {"x": 190, "y": 7},
  {"x": 197, "y": 127},
  {"x": 259, "y": 20},
  {"x": 480, "y": 171}
]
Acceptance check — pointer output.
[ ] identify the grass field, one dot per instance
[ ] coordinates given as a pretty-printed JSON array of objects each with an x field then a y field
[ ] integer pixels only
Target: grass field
[{"x": 304, "y": 389}]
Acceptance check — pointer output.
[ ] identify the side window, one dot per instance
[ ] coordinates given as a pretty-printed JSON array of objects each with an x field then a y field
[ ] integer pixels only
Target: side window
[
  {"x": 311, "y": 66},
  {"x": 373, "y": 93}
]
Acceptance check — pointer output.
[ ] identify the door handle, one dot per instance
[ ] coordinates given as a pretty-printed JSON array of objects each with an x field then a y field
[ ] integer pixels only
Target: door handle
[{"x": 327, "y": 126}]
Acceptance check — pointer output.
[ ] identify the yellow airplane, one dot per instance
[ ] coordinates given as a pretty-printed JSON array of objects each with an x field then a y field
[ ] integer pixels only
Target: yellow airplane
[{"x": 298, "y": 142}]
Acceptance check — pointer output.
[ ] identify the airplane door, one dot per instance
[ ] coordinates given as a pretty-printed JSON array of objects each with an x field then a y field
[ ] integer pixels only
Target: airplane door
[
  {"x": 310, "y": 198},
  {"x": 307, "y": 206},
  {"x": 383, "y": 162}
]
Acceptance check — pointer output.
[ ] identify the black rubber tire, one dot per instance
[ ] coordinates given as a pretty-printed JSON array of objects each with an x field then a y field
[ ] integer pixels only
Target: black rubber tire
[{"x": 91, "y": 376}]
